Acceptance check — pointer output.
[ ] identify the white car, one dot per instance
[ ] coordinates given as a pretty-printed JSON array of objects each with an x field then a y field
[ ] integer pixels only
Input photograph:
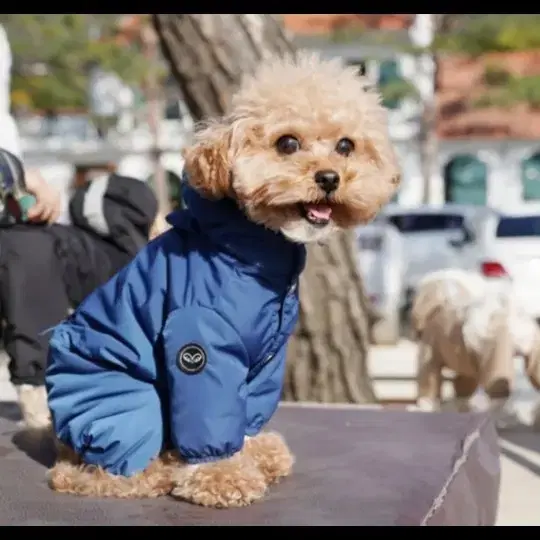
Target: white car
[
  {"x": 432, "y": 237},
  {"x": 505, "y": 245},
  {"x": 381, "y": 264}
]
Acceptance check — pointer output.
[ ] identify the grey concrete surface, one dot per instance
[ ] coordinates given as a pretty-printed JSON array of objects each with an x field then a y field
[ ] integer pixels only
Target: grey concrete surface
[{"x": 520, "y": 447}]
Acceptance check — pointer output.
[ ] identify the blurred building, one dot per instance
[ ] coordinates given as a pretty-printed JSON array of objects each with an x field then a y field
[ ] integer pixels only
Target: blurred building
[
  {"x": 66, "y": 146},
  {"x": 486, "y": 156},
  {"x": 69, "y": 146}
]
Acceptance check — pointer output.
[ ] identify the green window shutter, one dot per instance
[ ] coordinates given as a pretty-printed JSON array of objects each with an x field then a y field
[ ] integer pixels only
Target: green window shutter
[
  {"x": 530, "y": 178},
  {"x": 466, "y": 179},
  {"x": 389, "y": 74}
]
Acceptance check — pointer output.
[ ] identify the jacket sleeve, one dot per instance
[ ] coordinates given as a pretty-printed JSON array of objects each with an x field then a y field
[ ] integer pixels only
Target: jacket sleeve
[
  {"x": 264, "y": 391},
  {"x": 207, "y": 366},
  {"x": 101, "y": 372}
]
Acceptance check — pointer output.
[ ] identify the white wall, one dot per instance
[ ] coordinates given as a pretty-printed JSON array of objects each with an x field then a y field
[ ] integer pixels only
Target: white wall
[{"x": 502, "y": 158}]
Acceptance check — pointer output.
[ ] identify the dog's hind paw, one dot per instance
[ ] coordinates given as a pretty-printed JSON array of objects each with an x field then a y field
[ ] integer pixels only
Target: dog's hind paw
[
  {"x": 228, "y": 483},
  {"x": 271, "y": 454}
]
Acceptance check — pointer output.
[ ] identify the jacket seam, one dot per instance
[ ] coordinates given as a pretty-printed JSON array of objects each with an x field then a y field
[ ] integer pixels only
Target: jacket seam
[{"x": 224, "y": 319}]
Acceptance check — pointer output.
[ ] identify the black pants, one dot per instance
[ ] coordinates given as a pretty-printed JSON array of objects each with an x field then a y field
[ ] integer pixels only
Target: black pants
[{"x": 43, "y": 272}]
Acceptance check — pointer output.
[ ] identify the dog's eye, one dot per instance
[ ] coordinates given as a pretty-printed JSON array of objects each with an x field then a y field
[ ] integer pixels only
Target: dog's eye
[
  {"x": 344, "y": 146},
  {"x": 287, "y": 144}
]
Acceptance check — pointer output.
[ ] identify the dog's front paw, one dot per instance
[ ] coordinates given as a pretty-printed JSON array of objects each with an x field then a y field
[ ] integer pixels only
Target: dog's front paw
[
  {"x": 232, "y": 482},
  {"x": 271, "y": 454}
]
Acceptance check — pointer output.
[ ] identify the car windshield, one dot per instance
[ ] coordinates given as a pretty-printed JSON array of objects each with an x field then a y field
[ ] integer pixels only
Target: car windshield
[
  {"x": 412, "y": 223},
  {"x": 511, "y": 227}
]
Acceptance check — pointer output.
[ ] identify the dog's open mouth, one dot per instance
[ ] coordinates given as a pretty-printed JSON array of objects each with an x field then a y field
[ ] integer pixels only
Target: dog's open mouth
[{"x": 317, "y": 214}]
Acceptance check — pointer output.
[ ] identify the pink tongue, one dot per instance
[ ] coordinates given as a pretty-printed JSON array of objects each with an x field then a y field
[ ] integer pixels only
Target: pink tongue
[{"x": 319, "y": 211}]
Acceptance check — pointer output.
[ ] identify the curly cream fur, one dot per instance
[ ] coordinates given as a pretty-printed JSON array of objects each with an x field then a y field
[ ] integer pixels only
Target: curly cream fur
[
  {"x": 238, "y": 481},
  {"x": 318, "y": 102},
  {"x": 473, "y": 327}
]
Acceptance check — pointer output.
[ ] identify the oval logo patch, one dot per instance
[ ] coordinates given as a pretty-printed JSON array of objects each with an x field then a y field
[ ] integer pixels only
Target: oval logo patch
[{"x": 191, "y": 359}]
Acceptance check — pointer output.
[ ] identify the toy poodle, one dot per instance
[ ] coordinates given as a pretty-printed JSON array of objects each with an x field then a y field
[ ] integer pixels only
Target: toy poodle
[{"x": 162, "y": 381}]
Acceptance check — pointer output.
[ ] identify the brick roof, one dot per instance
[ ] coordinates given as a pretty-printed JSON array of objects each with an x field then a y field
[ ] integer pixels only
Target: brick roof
[
  {"x": 311, "y": 24},
  {"x": 460, "y": 79},
  {"x": 129, "y": 28},
  {"x": 460, "y": 82}
]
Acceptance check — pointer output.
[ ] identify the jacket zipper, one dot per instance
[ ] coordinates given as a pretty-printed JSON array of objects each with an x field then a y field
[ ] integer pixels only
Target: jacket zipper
[
  {"x": 290, "y": 290},
  {"x": 271, "y": 355}
]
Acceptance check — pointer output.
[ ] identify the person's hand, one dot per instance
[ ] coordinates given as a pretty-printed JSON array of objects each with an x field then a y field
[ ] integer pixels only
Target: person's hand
[{"x": 48, "y": 201}]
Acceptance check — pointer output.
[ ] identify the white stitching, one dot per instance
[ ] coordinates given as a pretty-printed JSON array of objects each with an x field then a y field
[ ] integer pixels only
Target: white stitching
[{"x": 439, "y": 500}]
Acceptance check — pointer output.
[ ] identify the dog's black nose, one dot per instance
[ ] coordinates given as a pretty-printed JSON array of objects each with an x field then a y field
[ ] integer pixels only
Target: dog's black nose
[{"x": 328, "y": 180}]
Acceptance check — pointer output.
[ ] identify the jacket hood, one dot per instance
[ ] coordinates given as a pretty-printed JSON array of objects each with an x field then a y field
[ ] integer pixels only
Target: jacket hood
[{"x": 257, "y": 248}]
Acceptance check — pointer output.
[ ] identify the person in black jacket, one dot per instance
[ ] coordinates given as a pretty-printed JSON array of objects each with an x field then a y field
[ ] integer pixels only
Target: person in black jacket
[{"x": 46, "y": 268}]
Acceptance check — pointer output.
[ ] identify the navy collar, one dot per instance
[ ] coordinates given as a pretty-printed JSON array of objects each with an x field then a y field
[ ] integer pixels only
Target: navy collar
[{"x": 258, "y": 249}]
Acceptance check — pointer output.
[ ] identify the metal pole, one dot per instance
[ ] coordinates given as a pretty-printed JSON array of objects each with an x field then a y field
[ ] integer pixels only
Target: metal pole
[{"x": 422, "y": 34}]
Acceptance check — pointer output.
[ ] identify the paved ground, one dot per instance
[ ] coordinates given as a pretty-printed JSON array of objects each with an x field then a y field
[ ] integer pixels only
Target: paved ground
[
  {"x": 520, "y": 490},
  {"x": 520, "y": 448}
]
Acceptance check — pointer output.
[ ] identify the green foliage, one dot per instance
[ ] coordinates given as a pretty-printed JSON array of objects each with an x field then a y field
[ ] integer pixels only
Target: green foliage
[
  {"x": 495, "y": 75},
  {"x": 51, "y": 53},
  {"x": 397, "y": 90},
  {"x": 485, "y": 34},
  {"x": 479, "y": 34},
  {"x": 346, "y": 35},
  {"x": 475, "y": 35},
  {"x": 515, "y": 90}
]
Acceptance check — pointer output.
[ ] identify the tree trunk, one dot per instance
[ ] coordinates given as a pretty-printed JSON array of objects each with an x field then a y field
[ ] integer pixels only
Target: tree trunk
[
  {"x": 328, "y": 353},
  {"x": 208, "y": 54},
  {"x": 150, "y": 45}
]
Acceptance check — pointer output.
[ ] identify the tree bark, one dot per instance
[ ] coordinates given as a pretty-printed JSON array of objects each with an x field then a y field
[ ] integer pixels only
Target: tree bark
[
  {"x": 208, "y": 54},
  {"x": 150, "y": 46}
]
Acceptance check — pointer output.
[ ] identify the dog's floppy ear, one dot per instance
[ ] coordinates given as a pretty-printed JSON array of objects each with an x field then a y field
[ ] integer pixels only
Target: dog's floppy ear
[{"x": 207, "y": 161}]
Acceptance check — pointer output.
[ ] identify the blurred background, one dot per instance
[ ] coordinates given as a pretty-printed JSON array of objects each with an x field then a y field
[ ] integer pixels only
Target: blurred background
[
  {"x": 121, "y": 92},
  {"x": 94, "y": 93}
]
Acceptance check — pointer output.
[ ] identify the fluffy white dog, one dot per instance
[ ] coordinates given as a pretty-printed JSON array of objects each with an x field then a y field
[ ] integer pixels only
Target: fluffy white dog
[{"x": 474, "y": 327}]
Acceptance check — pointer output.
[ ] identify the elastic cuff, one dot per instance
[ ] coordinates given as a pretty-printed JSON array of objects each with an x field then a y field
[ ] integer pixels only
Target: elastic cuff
[
  {"x": 210, "y": 459},
  {"x": 252, "y": 431}
]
